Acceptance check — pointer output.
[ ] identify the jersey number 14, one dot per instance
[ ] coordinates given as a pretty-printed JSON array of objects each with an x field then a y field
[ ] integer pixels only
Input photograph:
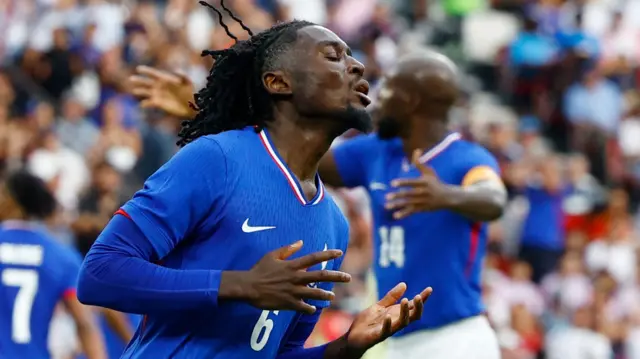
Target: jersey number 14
[{"x": 391, "y": 246}]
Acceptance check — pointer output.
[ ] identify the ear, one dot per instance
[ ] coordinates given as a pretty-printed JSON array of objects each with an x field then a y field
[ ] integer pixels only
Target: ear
[
  {"x": 409, "y": 101},
  {"x": 276, "y": 83}
]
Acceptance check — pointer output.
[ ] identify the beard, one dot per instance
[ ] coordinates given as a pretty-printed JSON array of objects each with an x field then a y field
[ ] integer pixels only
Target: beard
[
  {"x": 388, "y": 128},
  {"x": 351, "y": 118}
]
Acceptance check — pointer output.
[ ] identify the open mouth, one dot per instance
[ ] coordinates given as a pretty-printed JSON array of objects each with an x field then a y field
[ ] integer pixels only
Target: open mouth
[{"x": 362, "y": 89}]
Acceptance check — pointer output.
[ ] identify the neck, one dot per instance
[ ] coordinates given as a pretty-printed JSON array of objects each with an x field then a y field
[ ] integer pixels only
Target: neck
[
  {"x": 301, "y": 143},
  {"x": 425, "y": 133}
]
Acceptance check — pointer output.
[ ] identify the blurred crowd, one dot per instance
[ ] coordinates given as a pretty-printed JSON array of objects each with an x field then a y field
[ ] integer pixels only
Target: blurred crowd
[{"x": 550, "y": 87}]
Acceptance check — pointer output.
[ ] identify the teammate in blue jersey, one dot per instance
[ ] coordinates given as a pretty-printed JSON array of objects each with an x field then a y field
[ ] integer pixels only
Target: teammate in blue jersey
[
  {"x": 221, "y": 216},
  {"x": 430, "y": 193},
  {"x": 36, "y": 273}
]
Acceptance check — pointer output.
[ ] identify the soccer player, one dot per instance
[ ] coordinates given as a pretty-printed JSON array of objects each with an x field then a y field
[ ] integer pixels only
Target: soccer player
[
  {"x": 431, "y": 191},
  {"x": 36, "y": 273},
  {"x": 221, "y": 215}
]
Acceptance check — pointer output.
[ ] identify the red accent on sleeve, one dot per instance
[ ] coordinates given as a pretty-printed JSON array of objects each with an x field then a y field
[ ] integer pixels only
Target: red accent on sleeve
[
  {"x": 123, "y": 213},
  {"x": 69, "y": 293}
]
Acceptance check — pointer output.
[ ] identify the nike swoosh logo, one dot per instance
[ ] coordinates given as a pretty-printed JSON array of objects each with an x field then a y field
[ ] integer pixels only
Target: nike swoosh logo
[
  {"x": 377, "y": 186},
  {"x": 323, "y": 265},
  {"x": 246, "y": 228}
]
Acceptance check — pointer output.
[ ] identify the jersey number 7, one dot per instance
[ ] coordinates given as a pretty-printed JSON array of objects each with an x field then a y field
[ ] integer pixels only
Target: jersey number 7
[{"x": 27, "y": 282}]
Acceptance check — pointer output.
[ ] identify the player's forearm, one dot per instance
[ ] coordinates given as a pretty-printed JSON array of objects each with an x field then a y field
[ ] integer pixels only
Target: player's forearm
[
  {"x": 91, "y": 341},
  {"x": 476, "y": 203},
  {"x": 340, "y": 349},
  {"x": 117, "y": 274},
  {"x": 133, "y": 285},
  {"x": 119, "y": 323},
  {"x": 337, "y": 349}
]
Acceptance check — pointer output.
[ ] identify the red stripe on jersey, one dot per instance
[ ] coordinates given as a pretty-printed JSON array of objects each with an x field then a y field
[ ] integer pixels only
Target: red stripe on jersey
[
  {"x": 122, "y": 213},
  {"x": 473, "y": 247},
  {"x": 286, "y": 174},
  {"x": 69, "y": 293}
]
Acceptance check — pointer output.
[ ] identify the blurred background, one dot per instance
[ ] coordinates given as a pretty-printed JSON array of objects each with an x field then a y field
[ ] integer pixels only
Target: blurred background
[{"x": 550, "y": 87}]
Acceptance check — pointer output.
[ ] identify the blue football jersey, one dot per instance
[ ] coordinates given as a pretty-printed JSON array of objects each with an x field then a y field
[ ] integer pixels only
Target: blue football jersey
[
  {"x": 440, "y": 249},
  {"x": 36, "y": 272},
  {"x": 228, "y": 219}
]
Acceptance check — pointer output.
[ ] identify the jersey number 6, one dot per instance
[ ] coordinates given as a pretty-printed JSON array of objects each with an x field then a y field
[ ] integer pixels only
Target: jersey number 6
[
  {"x": 391, "y": 246},
  {"x": 264, "y": 323}
]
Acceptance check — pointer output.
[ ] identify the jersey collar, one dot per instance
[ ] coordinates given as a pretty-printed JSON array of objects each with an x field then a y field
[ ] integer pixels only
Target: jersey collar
[
  {"x": 25, "y": 225},
  {"x": 435, "y": 150},
  {"x": 440, "y": 147},
  {"x": 289, "y": 176}
]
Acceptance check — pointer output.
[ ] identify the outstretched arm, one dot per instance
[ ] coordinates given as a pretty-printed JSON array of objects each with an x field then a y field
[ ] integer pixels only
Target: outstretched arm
[
  {"x": 370, "y": 327},
  {"x": 167, "y": 91}
]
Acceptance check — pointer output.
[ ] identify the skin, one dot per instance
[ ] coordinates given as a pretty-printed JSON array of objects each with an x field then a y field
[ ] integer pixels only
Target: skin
[
  {"x": 416, "y": 97},
  {"x": 88, "y": 332},
  {"x": 324, "y": 80},
  {"x": 313, "y": 92}
]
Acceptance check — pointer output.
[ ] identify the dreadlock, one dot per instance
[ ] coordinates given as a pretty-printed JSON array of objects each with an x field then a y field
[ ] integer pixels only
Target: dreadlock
[{"x": 234, "y": 96}]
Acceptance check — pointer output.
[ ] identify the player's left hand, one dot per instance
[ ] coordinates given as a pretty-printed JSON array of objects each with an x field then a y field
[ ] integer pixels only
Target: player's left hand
[
  {"x": 385, "y": 318},
  {"x": 425, "y": 193}
]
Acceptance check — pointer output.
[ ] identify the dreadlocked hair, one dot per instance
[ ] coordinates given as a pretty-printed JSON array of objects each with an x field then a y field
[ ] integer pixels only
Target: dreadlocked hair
[{"x": 234, "y": 96}]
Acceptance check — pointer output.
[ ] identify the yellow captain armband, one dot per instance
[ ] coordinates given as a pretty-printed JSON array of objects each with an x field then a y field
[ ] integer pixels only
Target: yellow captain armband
[{"x": 481, "y": 174}]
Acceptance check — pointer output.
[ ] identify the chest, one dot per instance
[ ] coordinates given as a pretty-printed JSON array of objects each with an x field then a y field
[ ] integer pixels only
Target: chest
[
  {"x": 260, "y": 214},
  {"x": 393, "y": 165}
]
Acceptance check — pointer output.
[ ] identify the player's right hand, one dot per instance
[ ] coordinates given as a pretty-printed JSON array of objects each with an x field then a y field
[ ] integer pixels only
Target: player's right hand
[
  {"x": 167, "y": 91},
  {"x": 279, "y": 283}
]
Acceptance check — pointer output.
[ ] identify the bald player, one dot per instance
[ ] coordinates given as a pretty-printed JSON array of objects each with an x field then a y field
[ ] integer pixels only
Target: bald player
[{"x": 431, "y": 194}]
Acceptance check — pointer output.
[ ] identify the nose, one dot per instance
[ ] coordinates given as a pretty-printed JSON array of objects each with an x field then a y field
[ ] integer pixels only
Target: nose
[{"x": 356, "y": 67}]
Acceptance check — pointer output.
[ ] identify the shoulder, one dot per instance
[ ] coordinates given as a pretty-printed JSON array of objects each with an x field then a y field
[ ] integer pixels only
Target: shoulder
[
  {"x": 236, "y": 146},
  {"x": 198, "y": 159},
  {"x": 61, "y": 253},
  {"x": 473, "y": 154}
]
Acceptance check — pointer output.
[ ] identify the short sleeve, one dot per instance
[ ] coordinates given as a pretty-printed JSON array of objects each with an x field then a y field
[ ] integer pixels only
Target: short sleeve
[
  {"x": 479, "y": 165},
  {"x": 177, "y": 198},
  {"x": 352, "y": 158}
]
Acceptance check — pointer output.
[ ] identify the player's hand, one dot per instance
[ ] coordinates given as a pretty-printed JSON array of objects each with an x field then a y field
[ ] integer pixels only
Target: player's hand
[
  {"x": 276, "y": 283},
  {"x": 425, "y": 193},
  {"x": 162, "y": 90},
  {"x": 385, "y": 318}
]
